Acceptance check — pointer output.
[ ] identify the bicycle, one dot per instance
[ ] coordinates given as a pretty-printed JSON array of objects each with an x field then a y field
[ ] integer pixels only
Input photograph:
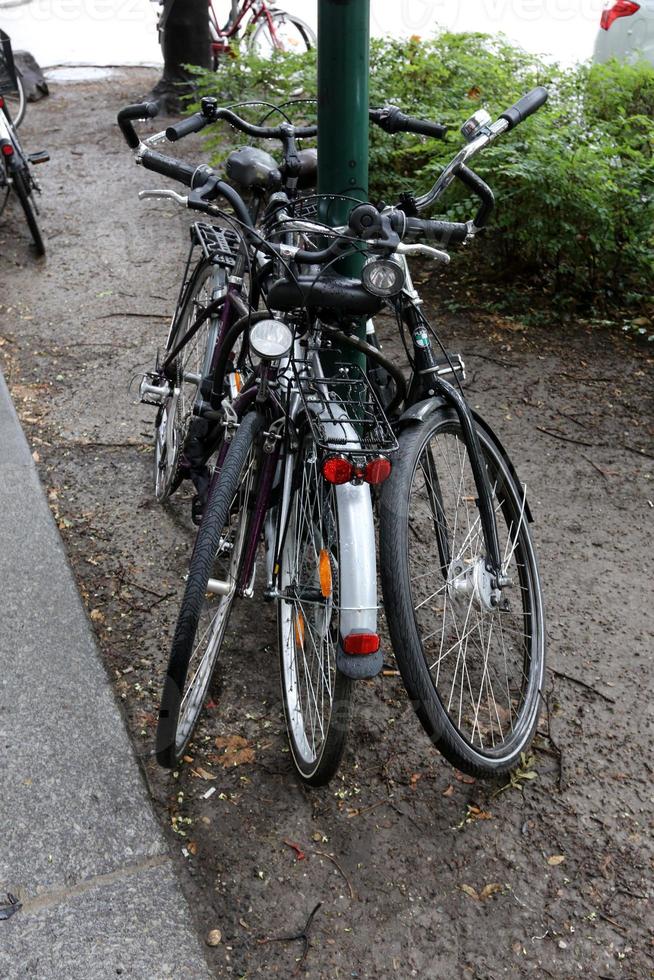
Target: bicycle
[
  {"x": 15, "y": 169},
  {"x": 212, "y": 297},
  {"x": 267, "y": 29},
  {"x": 298, "y": 451}
]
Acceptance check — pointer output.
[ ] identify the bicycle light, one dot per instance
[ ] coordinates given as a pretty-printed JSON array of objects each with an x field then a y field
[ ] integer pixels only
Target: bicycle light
[
  {"x": 382, "y": 277},
  {"x": 339, "y": 470},
  {"x": 270, "y": 339}
]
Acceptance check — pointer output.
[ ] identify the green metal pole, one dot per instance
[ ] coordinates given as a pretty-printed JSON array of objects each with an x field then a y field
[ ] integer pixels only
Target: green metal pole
[{"x": 343, "y": 68}]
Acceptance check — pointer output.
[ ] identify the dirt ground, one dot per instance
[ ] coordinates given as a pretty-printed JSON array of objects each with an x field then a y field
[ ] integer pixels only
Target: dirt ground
[{"x": 419, "y": 871}]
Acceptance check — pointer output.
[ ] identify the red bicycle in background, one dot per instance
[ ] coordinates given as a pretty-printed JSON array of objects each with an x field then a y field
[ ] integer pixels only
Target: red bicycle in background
[{"x": 264, "y": 28}]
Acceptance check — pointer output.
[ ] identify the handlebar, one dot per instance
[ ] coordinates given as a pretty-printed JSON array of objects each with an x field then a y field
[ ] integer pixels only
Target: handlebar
[{"x": 211, "y": 112}]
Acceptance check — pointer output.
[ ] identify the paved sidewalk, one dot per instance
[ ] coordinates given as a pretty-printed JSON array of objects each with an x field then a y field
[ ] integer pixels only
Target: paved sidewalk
[{"x": 79, "y": 843}]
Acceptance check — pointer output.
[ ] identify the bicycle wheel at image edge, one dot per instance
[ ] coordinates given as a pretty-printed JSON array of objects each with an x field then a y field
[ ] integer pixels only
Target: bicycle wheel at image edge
[
  {"x": 317, "y": 697},
  {"x": 473, "y": 671},
  {"x": 23, "y": 193},
  {"x": 203, "y": 617},
  {"x": 16, "y": 102}
]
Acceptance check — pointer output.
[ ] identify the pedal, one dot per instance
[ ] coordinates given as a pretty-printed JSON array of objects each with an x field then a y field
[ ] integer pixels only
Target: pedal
[
  {"x": 449, "y": 367},
  {"x": 152, "y": 391},
  {"x": 40, "y": 156}
]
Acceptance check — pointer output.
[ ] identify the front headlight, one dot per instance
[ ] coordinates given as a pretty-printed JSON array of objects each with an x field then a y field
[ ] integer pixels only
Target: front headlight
[
  {"x": 270, "y": 339},
  {"x": 382, "y": 277}
]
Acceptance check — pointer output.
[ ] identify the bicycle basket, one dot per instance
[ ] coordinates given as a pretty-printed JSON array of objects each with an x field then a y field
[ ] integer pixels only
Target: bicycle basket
[
  {"x": 8, "y": 80},
  {"x": 344, "y": 411}
]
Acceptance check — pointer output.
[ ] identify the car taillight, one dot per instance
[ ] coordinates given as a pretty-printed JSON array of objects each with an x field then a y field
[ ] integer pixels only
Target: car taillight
[
  {"x": 338, "y": 469},
  {"x": 361, "y": 644},
  {"x": 621, "y": 8}
]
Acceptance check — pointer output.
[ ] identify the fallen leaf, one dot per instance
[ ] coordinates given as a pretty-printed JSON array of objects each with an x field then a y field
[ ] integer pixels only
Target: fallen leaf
[
  {"x": 413, "y": 781},
  {"x": 448, "y": 791},
  {"x": 214, "y": 937},
  {"x": 97, "y": 616},
  {"x": 462, "y": 778},
  {"x": 470, "y": 891},
  {"x": 489, "y": 890},
  {"x": 202, "y": 773},
  {"x": 236, "y": 750},
  {"x": 556, "y": 859},
  {"x": 299, "y": 853},
  {"x": 192, "y": 847},
  {"x": 36, "y": 457},
  {"x": 188, "y": 758}
]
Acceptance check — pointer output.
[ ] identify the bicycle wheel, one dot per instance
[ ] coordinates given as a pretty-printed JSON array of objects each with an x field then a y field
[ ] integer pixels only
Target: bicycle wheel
[
  {"x": 288, "y": 33},
  {"x": 23, "y": 189},
  {"x": 473, "y": 670},
  {"x": 16, "y": 102},
  {"x": 191, "y": 365},
  {"x": 317, "y": 698},
  {"x": 203, "y": 616}
]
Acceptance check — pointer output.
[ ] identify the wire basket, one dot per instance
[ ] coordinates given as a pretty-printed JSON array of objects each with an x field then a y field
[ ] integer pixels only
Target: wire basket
[
  {"x": 8, "y": 80},
  {"x": 328, "y": 209},
  {"x": 344, "y": 411}
]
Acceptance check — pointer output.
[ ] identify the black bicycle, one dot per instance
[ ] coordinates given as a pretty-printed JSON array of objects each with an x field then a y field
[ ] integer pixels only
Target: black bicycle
[{"x": 15, "y": 170}]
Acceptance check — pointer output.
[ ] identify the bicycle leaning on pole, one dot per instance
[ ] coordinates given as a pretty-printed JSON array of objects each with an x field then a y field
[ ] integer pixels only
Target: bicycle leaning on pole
[{"x": 297, "y": 448}]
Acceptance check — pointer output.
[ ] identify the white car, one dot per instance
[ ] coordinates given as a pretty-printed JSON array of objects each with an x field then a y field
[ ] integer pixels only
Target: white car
[{"x": 626, "y": 31}]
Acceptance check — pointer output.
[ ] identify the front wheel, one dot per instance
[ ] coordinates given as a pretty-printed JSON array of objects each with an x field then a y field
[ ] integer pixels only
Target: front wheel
[
  {"x": 23, "y": 189},
  {"x": 204, "y": 615},
  {"x": 16, "y": 102},
  {"x": 284, "y": 32},
  {"x": 317, "y": 697},
  {"x": 472, "y": 661}
]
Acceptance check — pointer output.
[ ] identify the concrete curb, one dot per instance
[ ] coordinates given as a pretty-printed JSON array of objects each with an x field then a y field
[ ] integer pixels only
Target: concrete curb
[{"x": 80, "y": 846}]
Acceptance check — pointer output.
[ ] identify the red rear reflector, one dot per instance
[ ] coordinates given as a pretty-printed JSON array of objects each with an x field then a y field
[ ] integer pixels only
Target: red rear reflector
[
  {"x": 7, "y": 150},
  {"x": 377, "y": 470},
  {"x": 361, "y": 643},
  {"x": 2, "y": 102},
  {"x": 338, "y": 470},
  {"x": 621, "y": 8}
]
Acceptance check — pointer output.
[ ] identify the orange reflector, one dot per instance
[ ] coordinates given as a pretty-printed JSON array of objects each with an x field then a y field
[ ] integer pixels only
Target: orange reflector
[
  {"x": 238, "y": 381},
  {"x": 325, "y": 571},
  {"x": 299, "y": 630},
  {"x": 361, "y": 644}
]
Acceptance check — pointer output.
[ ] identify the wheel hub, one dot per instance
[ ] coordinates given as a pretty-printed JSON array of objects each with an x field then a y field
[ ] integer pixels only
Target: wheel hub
[{"x": 473, "y": 579}]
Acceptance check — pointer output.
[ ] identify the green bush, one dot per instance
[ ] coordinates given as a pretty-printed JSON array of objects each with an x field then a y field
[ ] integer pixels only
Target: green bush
[{"x": 574, "y": 185}]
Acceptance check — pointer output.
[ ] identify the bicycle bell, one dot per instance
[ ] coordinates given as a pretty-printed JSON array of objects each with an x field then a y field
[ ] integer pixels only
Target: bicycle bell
[{"x": 473, "y": 126}]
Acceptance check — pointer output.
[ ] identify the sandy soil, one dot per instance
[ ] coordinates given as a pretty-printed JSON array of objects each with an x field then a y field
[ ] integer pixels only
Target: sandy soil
[{"x": 420, "y": 872}]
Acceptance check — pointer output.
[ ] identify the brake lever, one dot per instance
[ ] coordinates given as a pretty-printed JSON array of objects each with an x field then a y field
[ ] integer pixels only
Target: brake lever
[
  {"x": 437, "y": 254},
  {"x": 163, "y": 194}
]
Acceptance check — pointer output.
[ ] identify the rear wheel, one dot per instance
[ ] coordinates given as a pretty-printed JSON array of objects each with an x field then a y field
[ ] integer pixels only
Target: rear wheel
[
  {"x": 204, "y": 615},
  {"x": 191, "y": 365},
  {"x": 317, "y": 697},
  {"x": 472, "y": 661},
  {"x": 16, "y": 102},
  {"x": 288, "y": 33}
]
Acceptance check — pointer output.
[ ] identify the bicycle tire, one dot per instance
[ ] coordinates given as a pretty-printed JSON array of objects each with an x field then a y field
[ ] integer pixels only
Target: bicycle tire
[
  {"x": 484, "y": 740},
  {"x": 24, "y": 195},
  {"x": 17, "y": 103},
  {"x": 227, "y": 508},
  {"x": 305, "y": 549},
  {"x": 305, "y": 34},
  {"x": 170, "y": 430}
]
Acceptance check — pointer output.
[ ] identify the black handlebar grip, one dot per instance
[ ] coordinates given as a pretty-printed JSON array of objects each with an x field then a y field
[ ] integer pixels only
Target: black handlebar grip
[
  {"x": 142, "y": 110},
  {"x": 526, "y": 106},
  {"x": 193, "y": 124},
  {"x": 152, "y": 160},
  {"x": 393, "y": 120},
  {"x": 444, "y": 232}
]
